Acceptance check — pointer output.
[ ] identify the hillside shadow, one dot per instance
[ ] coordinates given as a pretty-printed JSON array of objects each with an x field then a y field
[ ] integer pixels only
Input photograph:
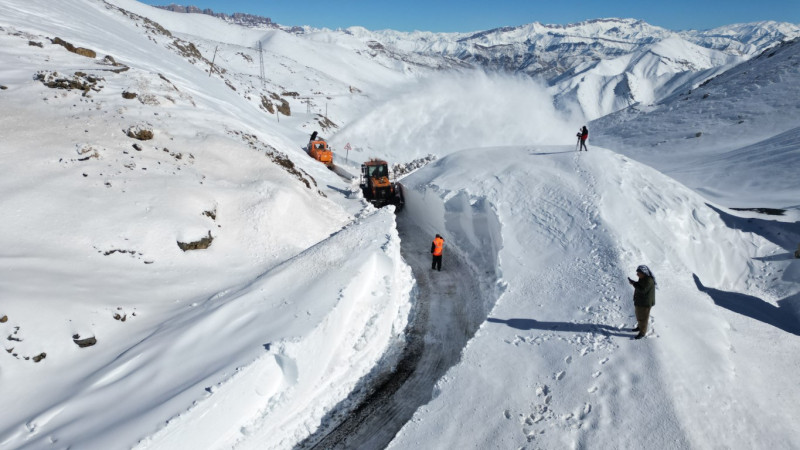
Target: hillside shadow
[
  {"x": 783, "y": 234},
  {"x": 783, "y": 316},
  {"x": 568, "y": 327}
]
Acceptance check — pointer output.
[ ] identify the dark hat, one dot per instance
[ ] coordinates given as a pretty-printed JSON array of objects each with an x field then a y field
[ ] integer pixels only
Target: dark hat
[{"x": 646, "y": 271}]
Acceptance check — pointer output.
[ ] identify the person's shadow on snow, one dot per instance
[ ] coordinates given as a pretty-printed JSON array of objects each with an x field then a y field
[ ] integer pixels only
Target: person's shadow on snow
[
  {"x": 530, "y": 324},
  {"x": 782, "y": 316}
]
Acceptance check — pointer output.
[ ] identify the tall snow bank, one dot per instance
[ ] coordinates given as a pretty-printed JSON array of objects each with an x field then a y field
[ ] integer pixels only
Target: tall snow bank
[
  {"x": 280, "y": 351},
  {"x": 315, "y": 325}
]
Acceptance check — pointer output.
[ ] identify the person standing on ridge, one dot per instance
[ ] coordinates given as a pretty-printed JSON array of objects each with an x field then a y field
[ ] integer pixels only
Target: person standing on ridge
[
  {"x": 644, "y": 298},
  {"x": 436, "y": 250},
  {"x": 583, "y": 134}
]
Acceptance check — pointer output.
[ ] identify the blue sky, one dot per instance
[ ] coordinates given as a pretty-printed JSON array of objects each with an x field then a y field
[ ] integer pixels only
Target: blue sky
[{"x": 475, "y": 15}]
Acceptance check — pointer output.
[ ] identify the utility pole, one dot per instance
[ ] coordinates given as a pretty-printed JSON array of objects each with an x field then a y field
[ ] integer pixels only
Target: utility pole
[
  {"x": 307, "y": 101},
  {"x": 261, "y": 63},
  {"x": 212, "y": 61}
]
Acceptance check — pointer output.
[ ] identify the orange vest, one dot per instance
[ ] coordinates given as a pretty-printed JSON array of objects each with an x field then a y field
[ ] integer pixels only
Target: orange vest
[{"x": 438, "y": 246}]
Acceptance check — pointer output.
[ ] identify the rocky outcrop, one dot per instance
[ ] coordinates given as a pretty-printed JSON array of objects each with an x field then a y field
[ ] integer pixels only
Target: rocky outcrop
[
  {"x": 202, "y": 244},
  {"x": 77, "y": 50},
  {"x": 140, "y": 132},
  {"x": 82, "y": 343},
  {"x": 248, "y": 20}
]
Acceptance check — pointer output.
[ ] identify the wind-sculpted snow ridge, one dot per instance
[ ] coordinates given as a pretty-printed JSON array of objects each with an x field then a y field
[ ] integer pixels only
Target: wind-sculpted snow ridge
[{"x": 555, "y": 364}]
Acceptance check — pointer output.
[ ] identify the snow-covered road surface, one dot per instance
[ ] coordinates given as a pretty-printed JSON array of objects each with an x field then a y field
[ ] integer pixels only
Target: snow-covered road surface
[{"x": 447, "y": 312}]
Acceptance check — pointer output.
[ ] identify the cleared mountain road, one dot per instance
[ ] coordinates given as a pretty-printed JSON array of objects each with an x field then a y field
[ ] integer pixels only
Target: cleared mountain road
[{"x": 447, "y": 312}]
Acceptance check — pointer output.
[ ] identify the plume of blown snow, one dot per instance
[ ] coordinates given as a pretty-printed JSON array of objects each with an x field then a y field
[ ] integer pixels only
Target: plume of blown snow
[{"x": 451, "y": 112}]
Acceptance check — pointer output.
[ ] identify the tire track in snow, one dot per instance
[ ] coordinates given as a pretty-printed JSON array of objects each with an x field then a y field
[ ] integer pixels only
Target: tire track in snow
[{"x": 448, "y": 311}]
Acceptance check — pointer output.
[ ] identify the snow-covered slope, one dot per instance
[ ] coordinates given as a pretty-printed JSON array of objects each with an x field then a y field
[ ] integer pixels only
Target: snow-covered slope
[
  {"x": 302, "y": 295},
  {"x": 741, "y": 125},
  {"x": 555, "y": 366},
  {"x": 744, "y": 38},
  {"x": 294, "y": 274},
  {"x": 609, "y": 85}
]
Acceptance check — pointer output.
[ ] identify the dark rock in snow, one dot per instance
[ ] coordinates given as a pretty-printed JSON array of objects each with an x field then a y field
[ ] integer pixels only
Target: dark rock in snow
[
  {"x": 87, "y": 342},
  {"x": 202, "y": 244}
]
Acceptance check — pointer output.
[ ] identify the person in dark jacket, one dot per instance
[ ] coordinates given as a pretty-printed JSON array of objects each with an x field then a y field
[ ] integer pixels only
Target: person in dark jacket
[
  {"x": 644, "y": 298},
  {"x": 437, "y": 246},
  {"x": 583, "y": 134}
]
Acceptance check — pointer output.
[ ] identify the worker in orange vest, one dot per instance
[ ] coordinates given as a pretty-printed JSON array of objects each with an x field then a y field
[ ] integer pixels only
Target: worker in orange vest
[{"x": 436, "y": 250}]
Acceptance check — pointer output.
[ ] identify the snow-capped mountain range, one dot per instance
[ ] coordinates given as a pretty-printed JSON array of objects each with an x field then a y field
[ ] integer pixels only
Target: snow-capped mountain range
[{"x": 624, "y": 61}]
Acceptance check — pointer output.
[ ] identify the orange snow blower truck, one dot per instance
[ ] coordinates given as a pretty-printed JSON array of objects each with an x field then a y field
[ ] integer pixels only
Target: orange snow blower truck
[
  {"x": 319, "y": 150},
  {"x": 376, "y": 186}
]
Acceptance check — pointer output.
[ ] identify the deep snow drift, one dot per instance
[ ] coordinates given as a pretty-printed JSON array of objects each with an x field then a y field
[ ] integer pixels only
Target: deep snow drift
[{"x": 303, "y": 294}]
